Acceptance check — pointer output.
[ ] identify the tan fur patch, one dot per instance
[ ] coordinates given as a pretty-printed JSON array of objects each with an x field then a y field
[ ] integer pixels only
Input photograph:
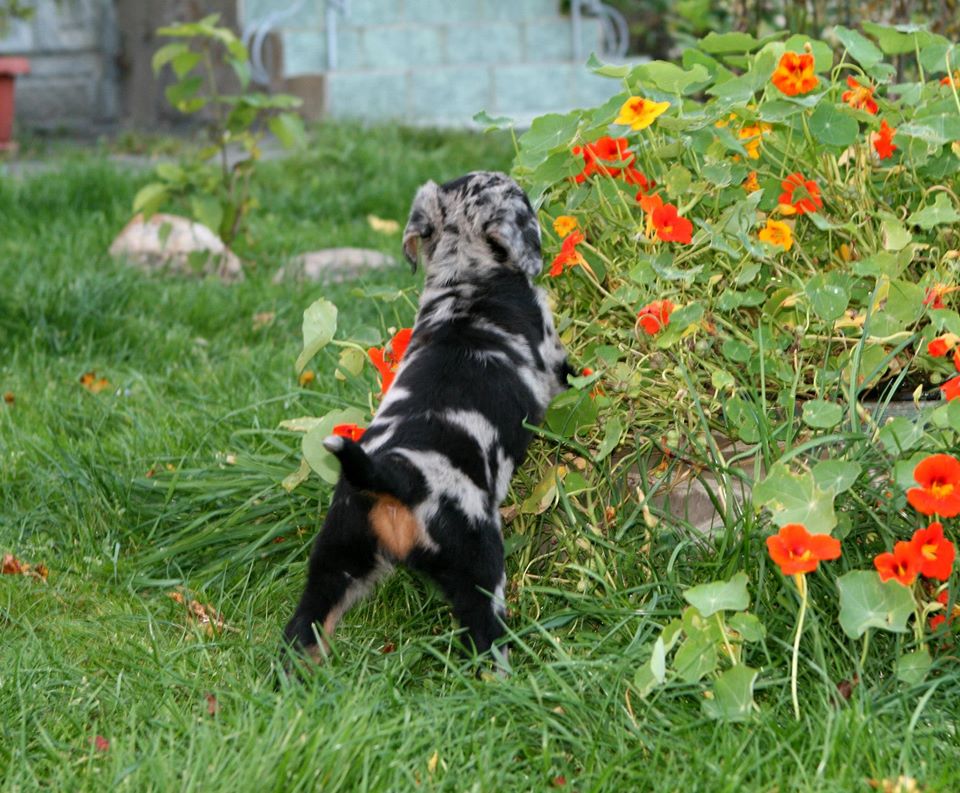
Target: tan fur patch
[{"x": 395, "y": 526}]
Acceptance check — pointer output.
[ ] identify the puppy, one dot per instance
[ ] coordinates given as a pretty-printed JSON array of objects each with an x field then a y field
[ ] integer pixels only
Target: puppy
[{"x": 423, "y": 485}]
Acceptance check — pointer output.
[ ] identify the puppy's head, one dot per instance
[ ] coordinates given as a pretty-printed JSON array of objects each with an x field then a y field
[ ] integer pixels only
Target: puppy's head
[{"x": 477, "y": 224}]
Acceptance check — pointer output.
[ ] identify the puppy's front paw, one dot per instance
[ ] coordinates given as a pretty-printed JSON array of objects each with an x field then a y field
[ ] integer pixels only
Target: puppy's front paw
[{"x": 333, "y": 444}]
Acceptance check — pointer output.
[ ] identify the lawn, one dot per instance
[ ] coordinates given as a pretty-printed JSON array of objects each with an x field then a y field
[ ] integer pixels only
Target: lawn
[{"x": 168, "y": 482}]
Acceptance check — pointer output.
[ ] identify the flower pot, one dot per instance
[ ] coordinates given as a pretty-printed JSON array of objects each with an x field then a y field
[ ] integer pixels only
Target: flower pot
[{"x": 9, "y": 69}]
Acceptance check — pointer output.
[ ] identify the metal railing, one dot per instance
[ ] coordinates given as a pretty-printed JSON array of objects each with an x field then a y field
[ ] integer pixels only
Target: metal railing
[
  {"x": 256, "y": 35},
  {"x": 615, "y": 34}
]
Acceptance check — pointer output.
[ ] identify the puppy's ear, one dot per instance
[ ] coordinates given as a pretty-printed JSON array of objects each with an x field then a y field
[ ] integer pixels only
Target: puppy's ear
[
  {"x": 516, "y": 240},
  {"x": 424, "y": 222}
]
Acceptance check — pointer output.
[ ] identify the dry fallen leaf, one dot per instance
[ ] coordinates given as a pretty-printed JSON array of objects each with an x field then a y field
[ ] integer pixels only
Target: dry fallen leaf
[
  {"x": 382, "y": 226},
  {"x": 432, "y": 762},
  {"x": 101, "y": 744},
  {"x": 9, "y": 398},
  {"x": 11, "y": 565},
  {"x": 263, "y": 319},
  {"x": 205, "y": 616},
  {"x": 213, "y": 707},
  {"x": 92, "y": 383},
  {"x": 903, "y": 784}
]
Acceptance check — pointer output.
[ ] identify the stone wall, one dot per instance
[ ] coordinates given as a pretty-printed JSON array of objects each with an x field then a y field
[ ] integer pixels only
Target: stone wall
[{"x": 72, "y": 84}]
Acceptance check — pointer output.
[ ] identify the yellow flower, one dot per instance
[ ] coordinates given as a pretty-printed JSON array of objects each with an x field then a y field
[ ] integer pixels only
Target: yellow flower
[
  {"x": 751, "y": 137},
  {"x": 777, "y": 233},
  {"x": 640, "y": 113},
  {"x": 564, "y": 224},
  {"x": 750, "y": 184}
]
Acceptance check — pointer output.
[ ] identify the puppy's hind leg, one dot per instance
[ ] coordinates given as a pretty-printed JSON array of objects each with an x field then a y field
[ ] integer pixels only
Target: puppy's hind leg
[
  {"x": 344, "y": 565},
  {"x": 471, "y": 574}
]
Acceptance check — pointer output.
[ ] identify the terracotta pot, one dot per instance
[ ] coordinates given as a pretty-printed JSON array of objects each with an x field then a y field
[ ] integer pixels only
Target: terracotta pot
[{"x": 9, "y": 69}]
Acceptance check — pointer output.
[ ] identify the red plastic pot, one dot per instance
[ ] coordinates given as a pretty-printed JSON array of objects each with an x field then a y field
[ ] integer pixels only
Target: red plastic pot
[{"x": 9, "y": 69}]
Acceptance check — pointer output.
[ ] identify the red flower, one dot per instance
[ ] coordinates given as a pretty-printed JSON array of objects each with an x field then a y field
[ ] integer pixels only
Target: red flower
[
  {"x": 606, "y": 155},
  {"x": 903, "y": 564},
  {"x": 670, "y": 226},
  {"x": 798, "y": 551},
  {"x": 655, "y": 316},
  {"x": 351, "y": 431},
  {"x": 387, "y": 358},
  {"x": 939, "y": 492},
  {"x": 569, "y": 256},
  {"x": 635, "y": 177},
  {"x": 936, "y": 552},
  {"x": 883, "y": 141},
  {"x": 951, "y": 389},
  {"x": 809, "y": 200},
  {"x": 938, "y": 619},
  {"x": 938, "y": 347},
  {"x": 860, "y": 97},
  {"x": 935, "y": 294}
]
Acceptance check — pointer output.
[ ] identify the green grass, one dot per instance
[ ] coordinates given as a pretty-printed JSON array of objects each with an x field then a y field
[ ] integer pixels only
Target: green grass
[{"x": 198, "y": 392}]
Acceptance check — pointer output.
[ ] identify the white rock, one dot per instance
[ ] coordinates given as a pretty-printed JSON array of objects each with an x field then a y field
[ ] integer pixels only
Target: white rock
[
  {"x": 333, "y": 265},
  {"x": 165, "y": 242}
]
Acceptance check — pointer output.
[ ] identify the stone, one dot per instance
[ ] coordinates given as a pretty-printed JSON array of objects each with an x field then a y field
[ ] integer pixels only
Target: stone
[
  {"x": 333, "y": 265},
  {"x": 176, "y": 245}
]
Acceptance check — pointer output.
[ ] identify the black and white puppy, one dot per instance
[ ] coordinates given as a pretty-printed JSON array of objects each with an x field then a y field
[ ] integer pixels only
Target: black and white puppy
[{"x": 424, "y": 483}]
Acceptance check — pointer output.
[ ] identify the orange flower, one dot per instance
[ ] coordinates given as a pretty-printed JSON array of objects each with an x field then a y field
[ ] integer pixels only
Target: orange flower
[
  {"x": 655, "y": 316},
  {"x": 569, "y": 256},
  {"x": 951, "y": 79},
  {"x": 883, "y": 141},
  {"x": 936, "y": 552},
  {"x": 649, "y": 204},
  {"x": 351, "y": 431},
  {"x": 794, "y": 74},
  {"x": 860, "y": 97},
  {"x": 564, "y": 224},
  {"x": 306, "y": 377},
  {"x": 639, "y": 113},
  {"x": 809, "y": 192},
  {"x": 777, "y": 233},
  {"x": 93, "y": 384},
  {"x": 903, "y": 565},
  {"x": 670, "y": 226},
  {"x": 939, "y": 492},
  {"x": 798, "y": 551},
  {"x": 935, "y": 294},
  {"x": 752, "y": 137},
  {"x": 751, "y": 184},
  {"x": 951, "y": 389},
  {"x": 387, "y": 359}
]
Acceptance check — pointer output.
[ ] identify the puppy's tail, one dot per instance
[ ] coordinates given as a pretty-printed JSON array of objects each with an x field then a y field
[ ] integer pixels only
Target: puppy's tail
[{"x": 366, "y": 473}]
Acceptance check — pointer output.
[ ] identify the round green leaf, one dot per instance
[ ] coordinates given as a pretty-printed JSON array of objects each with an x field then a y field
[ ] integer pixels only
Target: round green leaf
[
  {"x": 820, "y": 414},
  {"x": 867, "y": 602},
  {"x": 319, "y": 325},
  {"x": 717, "y": 596},
  {"x": 833, "y": 127},
  {"x": 318, "y": 458}
]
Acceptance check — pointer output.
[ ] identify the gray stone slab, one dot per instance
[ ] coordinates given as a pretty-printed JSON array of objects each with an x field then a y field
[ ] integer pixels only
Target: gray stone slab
[
  {"x": 533, "y": 87},
  {"x": 367, "y": 95},
  {"x": 452, "y": 92},
  {"x": 401, "y": 46},
  {"x": 495, "y": 42}
]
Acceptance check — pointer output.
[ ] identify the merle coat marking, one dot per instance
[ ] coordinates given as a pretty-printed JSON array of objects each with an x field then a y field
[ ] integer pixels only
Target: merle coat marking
[{"x": 424, "y": 484}]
